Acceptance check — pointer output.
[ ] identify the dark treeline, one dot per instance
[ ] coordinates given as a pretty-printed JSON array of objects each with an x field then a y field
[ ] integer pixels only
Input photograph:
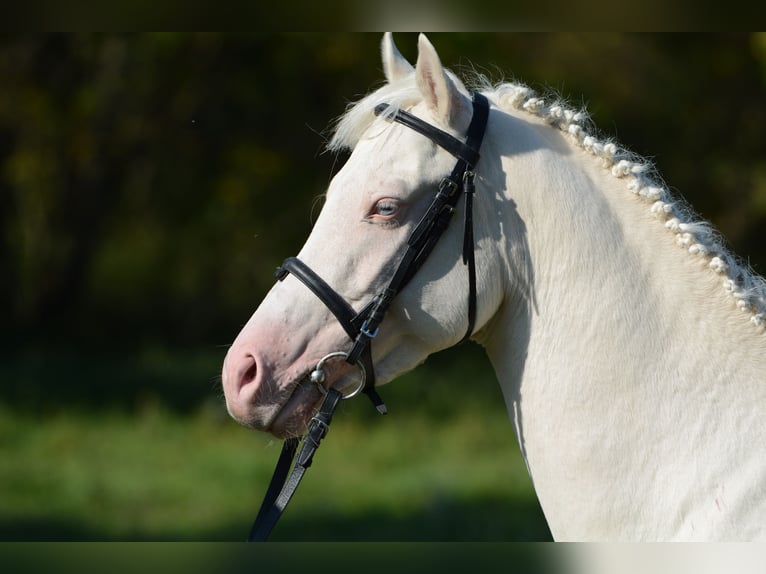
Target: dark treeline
[{"x": 150, "y": 183}]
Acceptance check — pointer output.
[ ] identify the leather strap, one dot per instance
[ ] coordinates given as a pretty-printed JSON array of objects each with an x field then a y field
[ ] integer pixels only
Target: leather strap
[
  {"x": 343, "y": 312},
  {"x": 463, "y": 151},
  {"x": 469, "y": 254},
  {"x": 281, "y": 488}
]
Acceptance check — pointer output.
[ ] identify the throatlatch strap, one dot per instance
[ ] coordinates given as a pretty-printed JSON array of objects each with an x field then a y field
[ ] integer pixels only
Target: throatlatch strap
[{"x": 469, "y": 254}]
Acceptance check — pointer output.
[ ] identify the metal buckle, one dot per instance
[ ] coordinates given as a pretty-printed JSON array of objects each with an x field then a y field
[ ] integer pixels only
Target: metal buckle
[
  {"x": 323, "y": 426},
  {"x": 317, "y": 376},
  {"x": 448, "y": 183},
  {"x": 365, "y": 330}
]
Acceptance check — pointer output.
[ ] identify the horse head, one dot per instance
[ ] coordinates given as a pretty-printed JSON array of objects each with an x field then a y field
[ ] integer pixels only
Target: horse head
[{"x": 371, "y": 208}]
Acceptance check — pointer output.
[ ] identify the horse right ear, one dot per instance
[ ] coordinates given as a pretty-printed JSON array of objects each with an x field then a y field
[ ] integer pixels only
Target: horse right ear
[{"x": 394, "y": 65}]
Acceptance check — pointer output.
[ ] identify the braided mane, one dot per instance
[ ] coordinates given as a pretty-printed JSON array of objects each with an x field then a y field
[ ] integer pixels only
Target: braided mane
[{"x": 698, "y": 238}]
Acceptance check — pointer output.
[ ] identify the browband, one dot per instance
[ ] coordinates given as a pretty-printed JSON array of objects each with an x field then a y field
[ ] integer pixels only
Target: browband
[{"x": 468, "y": 151}]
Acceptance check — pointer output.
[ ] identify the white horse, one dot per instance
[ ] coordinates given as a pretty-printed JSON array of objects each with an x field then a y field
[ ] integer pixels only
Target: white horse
[{"x": 629, "y": 343}]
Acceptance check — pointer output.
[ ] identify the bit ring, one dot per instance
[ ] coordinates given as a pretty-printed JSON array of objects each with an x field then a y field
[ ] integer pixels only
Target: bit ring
[{"x": 318, "y": 375}]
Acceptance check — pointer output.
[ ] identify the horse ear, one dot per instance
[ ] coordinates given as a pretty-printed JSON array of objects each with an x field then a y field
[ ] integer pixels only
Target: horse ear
[
  {"x": 438, "y": 90},
  {"x": 394, "y": 65}
]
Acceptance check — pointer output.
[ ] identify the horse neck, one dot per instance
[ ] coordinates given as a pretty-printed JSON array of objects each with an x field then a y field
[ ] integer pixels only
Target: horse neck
[
  {"x": 604, "y": 272},
  {"x": 620, "y": 326}
]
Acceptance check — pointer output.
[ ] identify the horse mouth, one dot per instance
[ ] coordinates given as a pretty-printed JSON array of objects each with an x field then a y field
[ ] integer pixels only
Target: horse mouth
[
  {"x": 293, "y": 415},
  {"x": 285, "y": 410}
]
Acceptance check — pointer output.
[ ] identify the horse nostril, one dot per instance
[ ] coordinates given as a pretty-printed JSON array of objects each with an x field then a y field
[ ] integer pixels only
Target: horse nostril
[{"x": 249, "y": 373}]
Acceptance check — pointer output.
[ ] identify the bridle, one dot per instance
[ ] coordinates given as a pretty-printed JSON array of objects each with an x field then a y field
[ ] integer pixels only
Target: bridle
[{"x": 363, "y": 326}]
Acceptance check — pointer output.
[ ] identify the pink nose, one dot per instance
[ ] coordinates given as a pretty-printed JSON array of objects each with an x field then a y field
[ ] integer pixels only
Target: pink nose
[{"x": 241, "y": 379}]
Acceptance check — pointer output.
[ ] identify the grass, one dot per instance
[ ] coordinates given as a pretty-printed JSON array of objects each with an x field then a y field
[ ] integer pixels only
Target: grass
[{"x": 443, "y": 465}]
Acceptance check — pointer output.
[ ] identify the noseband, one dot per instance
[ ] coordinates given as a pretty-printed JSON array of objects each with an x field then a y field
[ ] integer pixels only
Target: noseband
[{"x": 363, "y": 326}]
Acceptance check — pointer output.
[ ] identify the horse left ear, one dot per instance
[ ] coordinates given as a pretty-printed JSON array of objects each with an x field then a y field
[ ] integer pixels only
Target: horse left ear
[
  {"x": 394, "y": 65},
  {"x": 439, "y": 91}
]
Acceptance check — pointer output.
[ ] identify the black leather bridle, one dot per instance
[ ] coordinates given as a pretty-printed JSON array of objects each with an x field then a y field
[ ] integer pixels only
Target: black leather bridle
[{"x": 363, "y": 326}]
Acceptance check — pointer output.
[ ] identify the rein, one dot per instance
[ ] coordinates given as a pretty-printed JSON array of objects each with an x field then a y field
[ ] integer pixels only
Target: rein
[{"x": 363, "y": 326}]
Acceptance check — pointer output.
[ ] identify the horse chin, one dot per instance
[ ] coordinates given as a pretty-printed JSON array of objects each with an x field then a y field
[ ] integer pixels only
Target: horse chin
[
  {"x": 293, "y": 417},
  {"x": 284, "y": 414}
]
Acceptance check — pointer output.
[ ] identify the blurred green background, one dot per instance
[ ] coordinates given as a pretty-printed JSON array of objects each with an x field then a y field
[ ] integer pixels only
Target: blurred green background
[{"x": 150, "y": 184}]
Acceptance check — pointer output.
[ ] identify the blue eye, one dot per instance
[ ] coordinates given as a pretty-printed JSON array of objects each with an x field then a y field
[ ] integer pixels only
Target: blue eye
[{"x": 386, "y": 208}]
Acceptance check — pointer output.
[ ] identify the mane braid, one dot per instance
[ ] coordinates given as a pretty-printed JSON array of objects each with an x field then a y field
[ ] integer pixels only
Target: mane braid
[{"x": 698, "y": 238}]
